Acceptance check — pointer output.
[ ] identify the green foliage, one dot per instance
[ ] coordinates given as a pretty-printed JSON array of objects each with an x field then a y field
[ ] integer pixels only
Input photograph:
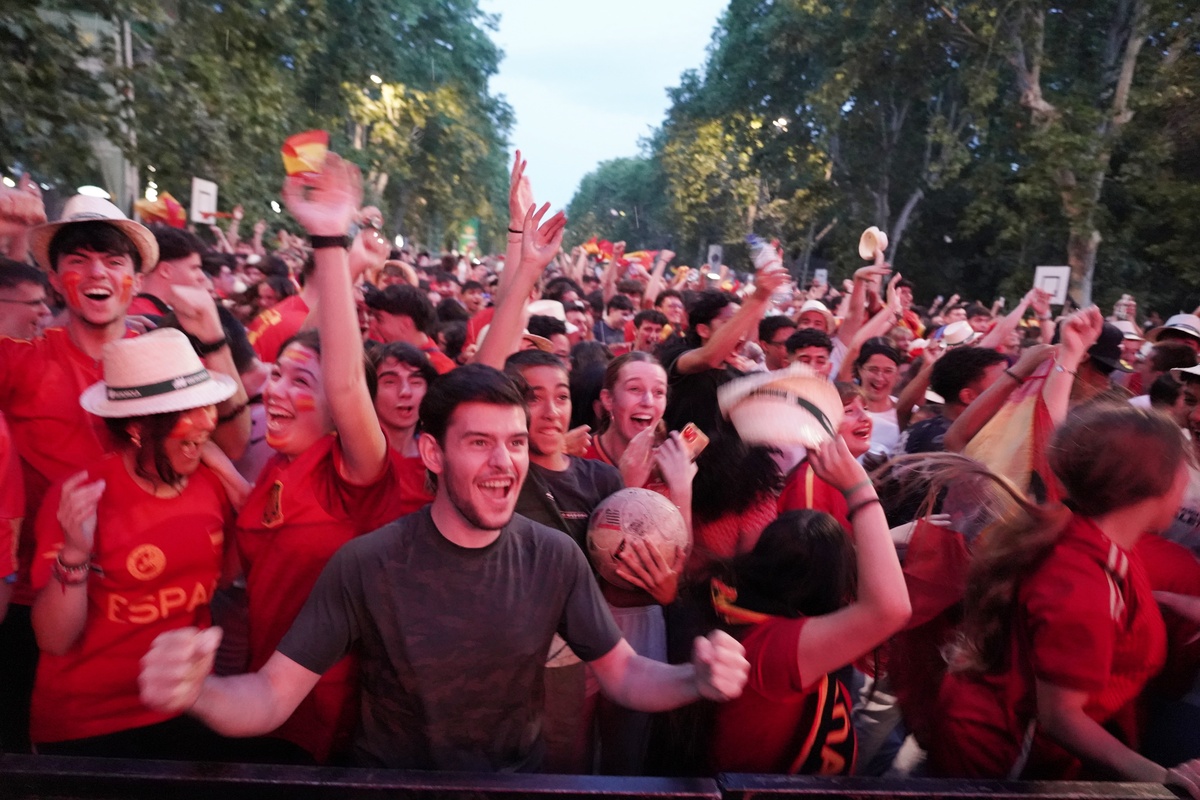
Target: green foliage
[{"x": 622, "y": 200}]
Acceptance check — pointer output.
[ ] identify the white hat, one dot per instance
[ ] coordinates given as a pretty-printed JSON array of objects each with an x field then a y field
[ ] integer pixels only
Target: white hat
[
  {"x": 957, "y": 333},
  {"x": 786, "y": 407},
  {"x": 1188, "y": 324},
  {"x": 1129, "y": 329},
  {"x": 84, "y": 208},
  {"x": 154, "y": 373},
  {"x": 872, "y": 240},
  {"x": 822, "y": 309},
  {"x": 551, "y": 308}
]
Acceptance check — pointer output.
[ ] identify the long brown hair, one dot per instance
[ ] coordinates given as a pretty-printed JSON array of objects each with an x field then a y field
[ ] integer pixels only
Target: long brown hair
[
  {"x": 1107, "y": 457},
  {"x": 612, "y": 374}
]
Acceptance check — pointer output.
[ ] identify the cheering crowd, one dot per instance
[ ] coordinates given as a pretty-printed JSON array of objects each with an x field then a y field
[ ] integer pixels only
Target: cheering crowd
[{"x": 321, "y": 500}]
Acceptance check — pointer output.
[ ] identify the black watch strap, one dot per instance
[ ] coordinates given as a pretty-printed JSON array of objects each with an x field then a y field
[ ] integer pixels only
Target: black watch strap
[{"x": 319, "y": 242}]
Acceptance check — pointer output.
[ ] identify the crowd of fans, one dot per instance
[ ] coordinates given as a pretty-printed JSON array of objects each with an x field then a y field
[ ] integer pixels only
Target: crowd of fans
[{"x": 318, "y": 499}]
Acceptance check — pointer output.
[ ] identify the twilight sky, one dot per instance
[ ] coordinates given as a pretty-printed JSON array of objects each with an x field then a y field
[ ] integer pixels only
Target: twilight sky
[{"x": 587, "y": 80}]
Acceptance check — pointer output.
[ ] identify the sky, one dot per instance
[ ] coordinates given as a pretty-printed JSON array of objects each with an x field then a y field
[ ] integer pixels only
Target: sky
[{"x": 588, "y": 78}]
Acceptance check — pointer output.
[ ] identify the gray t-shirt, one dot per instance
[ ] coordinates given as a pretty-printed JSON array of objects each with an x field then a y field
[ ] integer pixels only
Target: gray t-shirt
[{"x": 452, "y": 641}]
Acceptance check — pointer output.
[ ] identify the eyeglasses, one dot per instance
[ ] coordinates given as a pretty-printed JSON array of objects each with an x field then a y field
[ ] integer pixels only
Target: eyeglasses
[
  {"x": 30, "y": 303},
  {"x": 880, "y": 372},
  {"x": 778, "y": 344}
]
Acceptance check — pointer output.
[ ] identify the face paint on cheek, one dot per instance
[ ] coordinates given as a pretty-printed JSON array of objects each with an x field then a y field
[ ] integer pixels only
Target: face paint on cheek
[
  {"x": 305, "y": 402},
  {"x": 126, "y": 288},
  {"x": 185, "y": 427},
  {"x": 70, "y": 283}
]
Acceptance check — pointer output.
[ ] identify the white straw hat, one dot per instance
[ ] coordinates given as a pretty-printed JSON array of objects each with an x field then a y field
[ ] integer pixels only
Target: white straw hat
[
  {"x": 551, "y": 308},
  {"x": 85, "y": 208},
  {"x": 154, "y": 373},
  {"x": 1187, "y": 324},
  {"x": 788, "y": 406},
  {"x": 1128, "y": 330},
  {"x": 820, "y": 308}
]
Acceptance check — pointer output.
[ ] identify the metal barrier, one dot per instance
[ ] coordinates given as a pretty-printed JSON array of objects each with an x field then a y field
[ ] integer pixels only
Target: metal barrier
[{"x": 25, "y": 777}]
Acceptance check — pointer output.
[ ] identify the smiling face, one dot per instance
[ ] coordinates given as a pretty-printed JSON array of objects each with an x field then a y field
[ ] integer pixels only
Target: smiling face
[
  {"x": 855, "y": 429},
  {"x": 647, "y": 335},
  {"x": 675, "y": 312},
  {"x": 482, "y": 463},
  {"x": 879, "y": 375},
  {"x": 297, "y": 412},
  {"x": 189, "y": 435},
  {"x": 398, "y": 400},
  {"x": 97, "y": 286},
  {"x": 637, "y": 400},
  {"x": 23, "y": 310},
  {"x": 549, "y": 409},
  {"x": 815, "y": 358}
]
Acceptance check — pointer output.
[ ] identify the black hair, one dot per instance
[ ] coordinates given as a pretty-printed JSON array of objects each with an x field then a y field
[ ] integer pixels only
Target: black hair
[
  {"x": 1169, "y": 355},
  {"x": 544, "y": 326},
  {"x": 665, "y": 293},
  {"x": 586, "y": 383},
  {"x": 14, "y": 274},
  {"x": 454, "y": 337},
  {"x": 312, "y": 340},
  {"x": 631, "y": 287},
  {"x": 651, "y": 316},
  {"x": 704, "y": 309},
  {"x": 959, "y": 367},
  {"x": 405, "y": 300},
  {"x": 1165, "y": 391},
  {"x": 584, "y": 354},
  {"x": 403, "y": 353},
  {"x": 282, "y": 285},
  {"x": 878, "y": 346},
  {"x": 93, "y": 235},
  {"x": 174, "y": 244},
  {"x": 212, "y": 261},
  {"x": 976, "y": 310},
  {"x": 444, "y": 277},
  {"x": 471, "y": 286},
  {"x": 450, "y": 310},
  {"x": 596, "y": 301},
  {"x": 557, "y": 287},
  {"x": 905, "y": 283},
  {"x": 471, "y": 383},
  {"x": 801, "y": 566},
  {"x": 769, "y": 326},
  {"x": 619, "y": 301},
  {"x": 150, "y": 453},
  {"x": 516, "y": 364},
  {"x": 808, "y": 337}
]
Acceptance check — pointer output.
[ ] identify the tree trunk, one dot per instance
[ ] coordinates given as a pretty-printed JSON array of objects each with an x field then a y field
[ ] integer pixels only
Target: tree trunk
[{"x": 1082, "y": 246}]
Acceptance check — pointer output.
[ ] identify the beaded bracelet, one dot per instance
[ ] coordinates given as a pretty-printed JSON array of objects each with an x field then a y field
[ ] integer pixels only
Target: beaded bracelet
[{"x": 70, "y": 574}]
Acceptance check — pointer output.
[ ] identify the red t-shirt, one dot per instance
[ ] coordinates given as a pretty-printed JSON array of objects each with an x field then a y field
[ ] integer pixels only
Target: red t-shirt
[
  {"x": 478, "y": 322},
  {"x": 1171, "y": 567},
  {"x": 1086, "y": 620},
  {"x": 12, "y": 500},
  {"x": 144, "y": 306},
  {"x": 440, "y": 361},
  {"x": 804, "y": 489},
  {"x": 654, "y": 483},
  {"x": 271, "y": 328},
  {"x": 158, "y": 561},
  {"x": 298, "y": 515},
  {"x": 40, "y": 384},
  {"x": 780, "y": 723},
  {"x": 409, "y": 472}
]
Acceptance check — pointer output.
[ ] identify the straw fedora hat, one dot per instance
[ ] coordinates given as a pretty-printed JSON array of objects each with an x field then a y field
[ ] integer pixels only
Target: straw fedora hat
[
  {"x": 788, "y": 406},
  {"x": 83, "y": 208},
  {"x": 154, "y": 373}
]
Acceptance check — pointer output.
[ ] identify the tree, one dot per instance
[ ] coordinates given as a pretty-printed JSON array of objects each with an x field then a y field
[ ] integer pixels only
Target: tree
[{"x": 622, "y": 200}]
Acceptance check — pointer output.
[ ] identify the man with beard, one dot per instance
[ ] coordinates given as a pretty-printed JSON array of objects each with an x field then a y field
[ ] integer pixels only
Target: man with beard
[{"x": 452, "y": 610}]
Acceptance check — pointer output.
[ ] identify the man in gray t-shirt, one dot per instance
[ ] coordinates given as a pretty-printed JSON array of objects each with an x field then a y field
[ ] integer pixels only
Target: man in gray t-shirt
[{"x": 452, "y": 611}]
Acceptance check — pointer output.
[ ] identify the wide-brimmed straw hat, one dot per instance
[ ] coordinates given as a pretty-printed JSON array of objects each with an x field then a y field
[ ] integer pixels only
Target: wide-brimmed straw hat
[
  {"x": 85, "y": 208},
  {"x": 154, "y": 373},
  {"x": 787, "y": 406},
  {"x": 551, "y": 308},
  {"x": 1187, "y": 324}
]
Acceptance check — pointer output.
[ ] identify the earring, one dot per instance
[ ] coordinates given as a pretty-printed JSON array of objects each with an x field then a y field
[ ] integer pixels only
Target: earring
[{"x": 136, "y": 438}]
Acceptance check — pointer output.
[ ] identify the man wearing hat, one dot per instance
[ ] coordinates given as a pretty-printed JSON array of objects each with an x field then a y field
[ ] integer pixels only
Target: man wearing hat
[{"x": 94, "y": 257}]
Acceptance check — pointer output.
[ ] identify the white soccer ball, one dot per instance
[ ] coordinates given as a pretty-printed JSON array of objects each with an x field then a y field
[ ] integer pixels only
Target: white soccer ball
[{"x": 633, "y": 514}]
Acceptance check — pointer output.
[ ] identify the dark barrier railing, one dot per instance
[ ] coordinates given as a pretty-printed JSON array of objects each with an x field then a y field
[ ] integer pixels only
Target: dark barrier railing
[
  {"x": 58, "y": 778},
  {"x": 780, "y": 787}
]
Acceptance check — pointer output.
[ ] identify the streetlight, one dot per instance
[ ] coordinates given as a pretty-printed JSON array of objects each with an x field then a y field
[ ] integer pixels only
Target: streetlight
[
  {"x": 375, "y": 79},
  {"x": 275, "y": 206},
  {"x": 781, "y": 123}
]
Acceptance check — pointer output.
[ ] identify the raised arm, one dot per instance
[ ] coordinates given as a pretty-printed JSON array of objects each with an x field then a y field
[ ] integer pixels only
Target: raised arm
[
  {"x": 718, "y": 672},
  {"x": 540, "y": 241},
  {"x": 1079, "y": 332},
  {"x": 831, "y": 641},
  {"x": 913, "y": 393},
  {"x": 723, "y": 344},
  {"x": 984, "y": 407},
  {"x": 878, "y": 325},
  {"x": 332, "y": 200},
  {"x": 520, "y": 198},
  {"x": 856, "y": 312},
  {"x": 608, "y": 281}
]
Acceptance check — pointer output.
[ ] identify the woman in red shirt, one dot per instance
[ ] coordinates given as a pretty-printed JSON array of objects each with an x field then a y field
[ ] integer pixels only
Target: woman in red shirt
[
  {"x": 403, "y": 374},
  {"x": 129, "y": 549},
  {"x": 1061, "y": 631},
  {"x": 789, "y": 602}
]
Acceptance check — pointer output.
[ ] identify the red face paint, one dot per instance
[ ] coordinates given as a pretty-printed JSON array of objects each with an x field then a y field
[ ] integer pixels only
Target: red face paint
[
  {"x": 197, "y": 419},
  {"x": 70, "y": 282},
  {"x": 305, "y": 402},
  {"x": 126, "y": 288}
]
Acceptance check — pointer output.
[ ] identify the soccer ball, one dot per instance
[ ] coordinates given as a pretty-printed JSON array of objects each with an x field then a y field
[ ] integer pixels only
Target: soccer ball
[{"x": 633, "y": 514}]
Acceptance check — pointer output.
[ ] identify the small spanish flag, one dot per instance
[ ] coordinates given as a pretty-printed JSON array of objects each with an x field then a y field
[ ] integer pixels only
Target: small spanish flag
[{"x": 305, "y": 152}]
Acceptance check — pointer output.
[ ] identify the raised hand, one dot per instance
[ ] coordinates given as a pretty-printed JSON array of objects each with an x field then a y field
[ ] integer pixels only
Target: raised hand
[
  {"x": 1030, "y": 358},
  {"x": 893, "y": 297},
  {"x": 721, "y": 666},
  {"x": 196, "y": 311},
  {"x": 1039, "y": 301},
  {"x": 520, "y": 193},
  {"x": 332, "y": 198},
  {"x": 541, "y": 241},
  {"x": 174, "y": 669},
  {"x": 638, "y": 459},
  {"x": 675, "y": 466},
  {"x": 577, "y": 440},
  {"x": 1080, "y": 331},
  {"x": 77, "y": 517}
]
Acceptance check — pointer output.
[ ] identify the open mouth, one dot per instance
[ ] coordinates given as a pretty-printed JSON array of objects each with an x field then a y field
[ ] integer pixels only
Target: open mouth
[
  {"x": 642, "y": 420},
  {"x": 862, "y": 432},
  {"x": 97, "y": 293},
  {"x": 497, "y": 488}
]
